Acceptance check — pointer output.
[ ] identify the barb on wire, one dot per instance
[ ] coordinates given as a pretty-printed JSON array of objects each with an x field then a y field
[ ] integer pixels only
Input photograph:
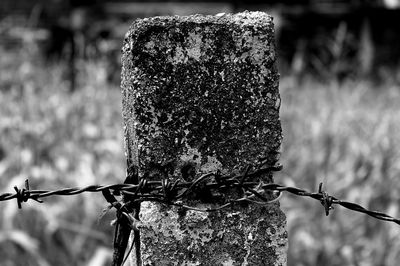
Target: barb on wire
[
  {"x": 328, "y": 201},
  {"x": 174, "y": 193}
]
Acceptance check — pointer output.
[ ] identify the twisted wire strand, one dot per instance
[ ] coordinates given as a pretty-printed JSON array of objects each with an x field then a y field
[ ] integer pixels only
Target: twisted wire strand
[
  {"x": 320, "y": 197},
  {"x": 172, "y": 193}
]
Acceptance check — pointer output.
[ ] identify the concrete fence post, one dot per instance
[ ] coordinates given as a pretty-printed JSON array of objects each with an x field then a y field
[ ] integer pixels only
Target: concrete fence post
[{"x": 200, "y": 94}]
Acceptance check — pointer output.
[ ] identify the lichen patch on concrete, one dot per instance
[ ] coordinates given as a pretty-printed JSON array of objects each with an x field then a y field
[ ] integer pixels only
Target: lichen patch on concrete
[{"x": 200, "y": 95}]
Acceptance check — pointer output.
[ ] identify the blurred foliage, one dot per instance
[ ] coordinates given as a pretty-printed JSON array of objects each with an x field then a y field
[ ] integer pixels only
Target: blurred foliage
[
  {"x": 345, "y": 135},
  {"x": 57, "y": 139}
]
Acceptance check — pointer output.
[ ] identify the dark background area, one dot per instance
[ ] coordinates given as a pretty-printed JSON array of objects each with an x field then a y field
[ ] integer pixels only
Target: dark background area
[{"x": 323, "y": 38}]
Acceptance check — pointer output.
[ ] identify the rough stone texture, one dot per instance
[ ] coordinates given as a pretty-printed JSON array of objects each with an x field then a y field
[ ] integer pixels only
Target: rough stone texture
[{"x": 200, "y": 94}]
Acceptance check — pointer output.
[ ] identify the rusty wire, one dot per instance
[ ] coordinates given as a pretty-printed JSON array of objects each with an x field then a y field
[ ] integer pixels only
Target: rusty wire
[{"x": 174, "y": 193}]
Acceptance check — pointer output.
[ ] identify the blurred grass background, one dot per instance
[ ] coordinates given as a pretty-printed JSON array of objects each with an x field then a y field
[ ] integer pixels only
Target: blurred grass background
[
  {"x": 346, "y": 136},
  {"x": 344, "y": 133},
  {"x": 57, "y": 139}
]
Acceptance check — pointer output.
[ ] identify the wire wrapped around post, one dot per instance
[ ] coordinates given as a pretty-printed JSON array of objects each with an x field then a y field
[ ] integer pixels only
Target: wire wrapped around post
[{"x": 155, "y": 191}]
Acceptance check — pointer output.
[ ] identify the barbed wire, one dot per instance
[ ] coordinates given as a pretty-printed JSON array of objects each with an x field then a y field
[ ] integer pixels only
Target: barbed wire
[{"x": 175, "y": 192}]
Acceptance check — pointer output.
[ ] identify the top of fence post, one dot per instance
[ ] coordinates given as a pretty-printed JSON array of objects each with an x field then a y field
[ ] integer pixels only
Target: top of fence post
[{"x": 200, "y": 94}]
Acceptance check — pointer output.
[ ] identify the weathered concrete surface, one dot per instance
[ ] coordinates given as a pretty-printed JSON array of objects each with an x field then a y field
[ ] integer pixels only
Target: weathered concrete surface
[{"x": 200, "y": 94}]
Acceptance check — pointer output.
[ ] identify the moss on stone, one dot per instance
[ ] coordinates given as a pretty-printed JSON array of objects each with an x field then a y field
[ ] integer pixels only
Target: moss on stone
[{"x": 203, "y": 91}]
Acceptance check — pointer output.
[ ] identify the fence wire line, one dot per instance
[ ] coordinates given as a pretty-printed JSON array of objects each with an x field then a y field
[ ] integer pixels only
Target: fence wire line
[{"x": 173, "y": 193}]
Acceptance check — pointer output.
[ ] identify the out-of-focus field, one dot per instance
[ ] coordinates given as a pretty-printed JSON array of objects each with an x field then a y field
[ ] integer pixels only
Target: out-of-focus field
[
  {"x": 344, "y": 135},
  {"x": 347, "y": 137},
  {"x": 57, "y": 139}
]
